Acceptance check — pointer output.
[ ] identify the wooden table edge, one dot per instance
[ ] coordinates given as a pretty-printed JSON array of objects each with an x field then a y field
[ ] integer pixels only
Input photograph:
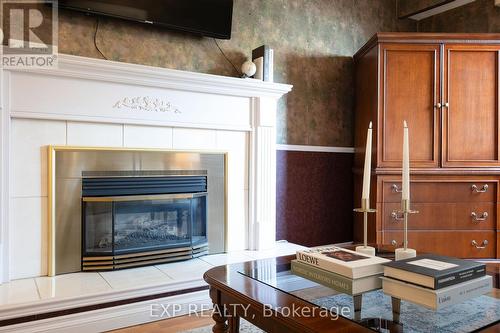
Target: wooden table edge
[
  {"x": 243, "y": 289},
  {"x": 221, "y": 291}
]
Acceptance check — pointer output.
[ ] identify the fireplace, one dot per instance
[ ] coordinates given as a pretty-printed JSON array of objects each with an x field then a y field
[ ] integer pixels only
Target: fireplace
[{"x": 134, "y": 219}]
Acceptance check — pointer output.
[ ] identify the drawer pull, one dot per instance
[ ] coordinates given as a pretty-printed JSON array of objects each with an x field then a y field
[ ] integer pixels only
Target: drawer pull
[
  {"x": 394, "y": 243},
  {"x": 482, "y": 190},
  {"x": 396, "y": 189},
  {"x": 396, "y": 217},
  {"x": 477, "y": 246},
  {"x": 481, "y": 218}
]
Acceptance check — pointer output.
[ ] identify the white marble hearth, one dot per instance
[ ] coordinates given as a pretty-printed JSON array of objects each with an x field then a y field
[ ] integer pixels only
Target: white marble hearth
[
  {"x": 87, "y": 283},
  {"x": 45, "y": 294}
]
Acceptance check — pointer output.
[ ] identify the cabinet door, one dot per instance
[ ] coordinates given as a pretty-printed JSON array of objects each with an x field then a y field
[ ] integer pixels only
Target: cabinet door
[
  {"x": 470, "y": 108},
  {"x": 410, "y": 81}
]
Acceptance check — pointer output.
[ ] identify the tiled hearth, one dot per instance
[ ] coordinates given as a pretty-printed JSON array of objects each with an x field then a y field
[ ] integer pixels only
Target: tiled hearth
[{"x": 19, "y": 296}]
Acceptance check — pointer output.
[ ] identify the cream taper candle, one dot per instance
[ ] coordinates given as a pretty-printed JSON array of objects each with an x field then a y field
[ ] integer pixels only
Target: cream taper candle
[
  {"x": 368, "y": 165},
  {"x": 406, "y": 163}
]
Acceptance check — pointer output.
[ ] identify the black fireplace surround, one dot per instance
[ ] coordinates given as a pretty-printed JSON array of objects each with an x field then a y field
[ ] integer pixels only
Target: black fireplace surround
[{"x": 131, "y": 221}]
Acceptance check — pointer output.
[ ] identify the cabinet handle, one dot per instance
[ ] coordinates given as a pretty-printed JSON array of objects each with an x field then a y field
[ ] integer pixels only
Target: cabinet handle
[
  {"x": 394, "y": 243},
  {"x": 476, "y": 218},
  {"x": 477, "y": 246},
  {"x": 439, "y": 105},
  {"x": 482, "y": 190},
  {"x": 395, "y": 216},
  {"x": 446, "y": 105},
  {"x": 396, "y": 189}
]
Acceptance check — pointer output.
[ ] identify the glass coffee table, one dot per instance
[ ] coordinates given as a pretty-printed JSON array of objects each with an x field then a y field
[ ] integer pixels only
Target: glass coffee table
[{"x": 268, "y": 286}]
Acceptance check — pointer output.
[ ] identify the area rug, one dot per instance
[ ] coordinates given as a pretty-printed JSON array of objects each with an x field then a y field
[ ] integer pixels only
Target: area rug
[{"x": 464, "y": 317}]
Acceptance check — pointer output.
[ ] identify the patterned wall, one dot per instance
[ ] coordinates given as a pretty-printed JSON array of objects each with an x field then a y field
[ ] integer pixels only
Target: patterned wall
[
  {"x": 478, "y": 16},
  {"x": 314, "y": 41}
]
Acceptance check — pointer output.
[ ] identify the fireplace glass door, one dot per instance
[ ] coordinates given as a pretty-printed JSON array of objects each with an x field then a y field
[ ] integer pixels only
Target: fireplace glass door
[
  {"x": 136, "y": 221},
  {"x": 131, "y": 226},
  {"x": 151, "y": 224}
]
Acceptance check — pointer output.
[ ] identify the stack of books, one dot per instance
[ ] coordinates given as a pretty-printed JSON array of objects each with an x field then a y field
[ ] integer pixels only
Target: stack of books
[
  {"x": 435, "y": 281},
  {"x": 343, "y": 270}
]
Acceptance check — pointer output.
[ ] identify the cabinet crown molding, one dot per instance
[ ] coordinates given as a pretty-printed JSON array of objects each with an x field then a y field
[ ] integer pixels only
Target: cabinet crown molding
[{"x": 425, "y": 37}]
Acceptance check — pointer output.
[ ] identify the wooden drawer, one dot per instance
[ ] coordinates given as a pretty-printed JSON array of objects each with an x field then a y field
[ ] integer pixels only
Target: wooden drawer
[
  {"x": 426, "y": 191},
  {"x": 442, "y": 216},
  {"x": 449, "y": 243}
]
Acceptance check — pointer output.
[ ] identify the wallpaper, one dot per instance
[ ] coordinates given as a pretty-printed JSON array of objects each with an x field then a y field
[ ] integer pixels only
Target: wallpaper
[
  {"x": 478, "y": 16},
  {"x": 313, "y": 42}
]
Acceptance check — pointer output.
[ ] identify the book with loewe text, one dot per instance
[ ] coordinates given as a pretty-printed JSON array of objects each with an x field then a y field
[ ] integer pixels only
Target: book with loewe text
[
  {"x": 437, "y": 299},
  {"x": 434, "y": 271},
  {"x": 342, "y": 261},
  {"x": 336, "y": 281}
]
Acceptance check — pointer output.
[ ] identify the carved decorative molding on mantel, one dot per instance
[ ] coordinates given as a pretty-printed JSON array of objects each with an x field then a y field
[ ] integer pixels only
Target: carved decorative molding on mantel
[{"x": 146, "y": 103}]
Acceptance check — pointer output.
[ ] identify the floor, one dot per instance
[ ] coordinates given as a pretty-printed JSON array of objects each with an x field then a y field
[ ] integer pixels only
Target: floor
[
  {"x": 82, "y": 284},
  {"x": 173, "y": 325}
]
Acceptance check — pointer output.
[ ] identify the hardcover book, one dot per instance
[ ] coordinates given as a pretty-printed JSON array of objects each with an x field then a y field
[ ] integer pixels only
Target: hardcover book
[
  {"x": 342, "y": 261},
  {"x": 437, "y": 299},
  {"x": 434, "y": 271},
  {"x": 335, "y": 281}
]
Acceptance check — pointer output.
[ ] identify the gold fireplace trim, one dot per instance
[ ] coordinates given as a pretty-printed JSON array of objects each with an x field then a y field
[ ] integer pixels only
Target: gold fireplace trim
[{"x": 51, "y": 169}]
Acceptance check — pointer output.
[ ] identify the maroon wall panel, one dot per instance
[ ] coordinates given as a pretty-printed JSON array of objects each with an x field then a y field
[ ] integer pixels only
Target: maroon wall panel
[{"x": 314, "y": 197}]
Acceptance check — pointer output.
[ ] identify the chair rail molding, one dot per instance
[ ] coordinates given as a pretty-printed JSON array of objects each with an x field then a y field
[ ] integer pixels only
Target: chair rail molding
[
  {"x": 105, "y": 92},
  {"x": 318, "y": 149}
]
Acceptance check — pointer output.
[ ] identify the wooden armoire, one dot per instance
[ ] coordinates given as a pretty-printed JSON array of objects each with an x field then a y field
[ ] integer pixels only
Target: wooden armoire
[{"x": 447, "y": 87}]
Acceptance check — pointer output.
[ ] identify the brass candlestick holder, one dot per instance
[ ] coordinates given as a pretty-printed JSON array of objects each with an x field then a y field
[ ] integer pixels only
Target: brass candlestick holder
[
  {"x": 405, "y": 252},
  {"x": 365, "y": 209}
]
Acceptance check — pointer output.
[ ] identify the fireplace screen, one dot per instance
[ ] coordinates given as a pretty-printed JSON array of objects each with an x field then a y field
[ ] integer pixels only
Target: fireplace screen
[{"x": 127, "y": 221}]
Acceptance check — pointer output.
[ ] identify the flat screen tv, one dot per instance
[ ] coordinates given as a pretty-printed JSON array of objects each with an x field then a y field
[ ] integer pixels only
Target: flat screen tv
[{"x": 211, "y": 18}]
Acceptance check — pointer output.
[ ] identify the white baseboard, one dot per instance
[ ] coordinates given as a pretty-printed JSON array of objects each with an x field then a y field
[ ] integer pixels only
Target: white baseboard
[
  {"x": 61, "y": 304},
  {"x": 117, "y": 317}
]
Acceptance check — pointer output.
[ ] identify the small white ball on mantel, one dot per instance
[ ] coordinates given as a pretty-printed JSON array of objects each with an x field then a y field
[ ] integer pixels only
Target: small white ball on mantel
[{"x": 248, "y": 68}]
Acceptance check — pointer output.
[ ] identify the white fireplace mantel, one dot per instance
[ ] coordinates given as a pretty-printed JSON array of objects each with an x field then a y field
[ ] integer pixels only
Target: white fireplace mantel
[{"x": 105, "y": 92}]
